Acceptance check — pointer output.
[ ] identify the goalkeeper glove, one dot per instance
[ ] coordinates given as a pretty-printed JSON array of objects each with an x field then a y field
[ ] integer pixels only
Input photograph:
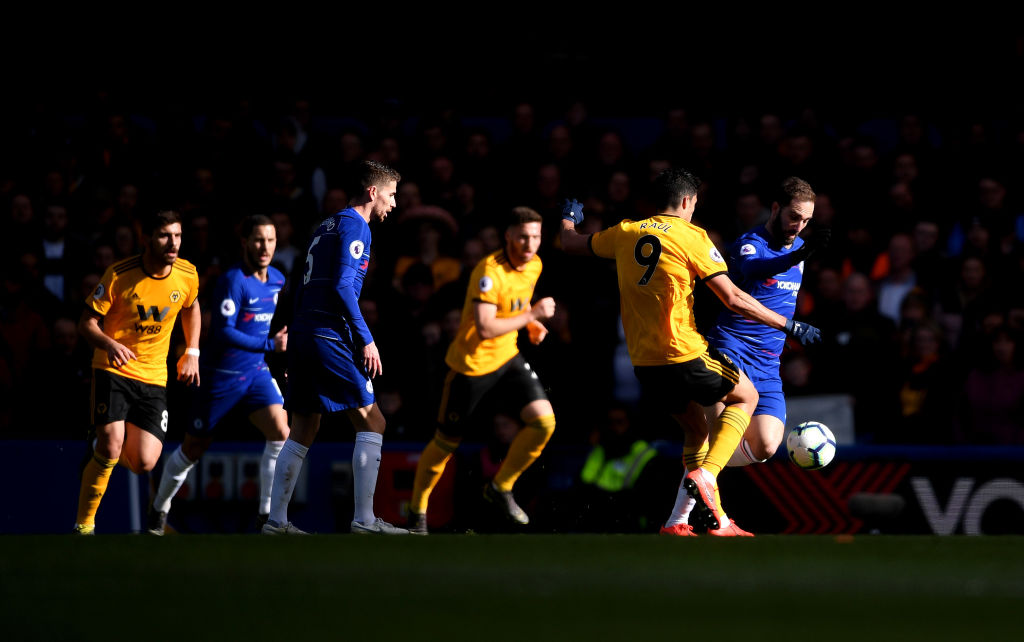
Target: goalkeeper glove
[
  {"x": 572, "y": 211},
  {"x": 804, "y": 333}
]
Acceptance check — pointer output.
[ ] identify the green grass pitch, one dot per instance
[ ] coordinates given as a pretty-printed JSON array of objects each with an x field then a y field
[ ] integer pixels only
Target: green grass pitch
[{"x": 510, "y": 587}]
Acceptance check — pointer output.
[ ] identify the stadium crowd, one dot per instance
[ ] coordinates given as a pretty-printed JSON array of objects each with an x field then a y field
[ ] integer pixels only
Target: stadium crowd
[{"x": 918, "y": 295}]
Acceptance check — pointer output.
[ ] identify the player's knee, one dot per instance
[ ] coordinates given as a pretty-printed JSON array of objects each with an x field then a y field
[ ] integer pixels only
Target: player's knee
[{"x": 763, "y": 451}]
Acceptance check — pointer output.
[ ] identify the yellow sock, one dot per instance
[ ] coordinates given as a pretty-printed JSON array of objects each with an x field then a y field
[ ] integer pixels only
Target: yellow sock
[
  {"x": 725, "y": 436},
  {"x": 429, "y": 470},
  {"x": 693, "y": 456},
  {"x": 95, "y": 477},
  {"x": 524, "y": 450}
]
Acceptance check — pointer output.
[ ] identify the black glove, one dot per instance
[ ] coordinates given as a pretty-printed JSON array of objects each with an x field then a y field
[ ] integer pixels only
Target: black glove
[
  {"x": 816, "y": 241},
  {"x": 805, "y": 333}
]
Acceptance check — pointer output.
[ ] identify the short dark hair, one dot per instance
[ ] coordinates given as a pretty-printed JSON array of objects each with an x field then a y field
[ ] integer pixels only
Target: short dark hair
[
  {"x": 671, "y": 186},
  {"x": 373, "y": 172},
  {"x": 152, "y": 222},
  {"x": 794, "y": 190},
  {"x": 522, "y": 215},
  {"x": 255, "y": 220}
]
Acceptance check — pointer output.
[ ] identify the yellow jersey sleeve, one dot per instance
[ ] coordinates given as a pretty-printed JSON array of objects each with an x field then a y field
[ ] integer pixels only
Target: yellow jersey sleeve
[
  {"x": 603, "y": 243},
  {"x": 494, "y": 281}
]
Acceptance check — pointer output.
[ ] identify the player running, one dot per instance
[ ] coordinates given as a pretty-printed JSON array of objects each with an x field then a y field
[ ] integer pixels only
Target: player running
[
  {"x": 128, "y": 320},
  {"x": 658, "y": 261},
  {"x": 483, "y": 359},
  {"x": 768, "y": 264},
  {"x": 235, "y": 371}
]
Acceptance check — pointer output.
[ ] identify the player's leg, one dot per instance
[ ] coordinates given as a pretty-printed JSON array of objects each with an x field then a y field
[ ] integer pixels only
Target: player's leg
[
  {"x": 108, "y": 406},
  {"x": 459, "y": 397},
  {"x": 369, "y": 424},
  {"x": 695, "y": 424},
  {"x": 304, "y": 428},
  {"x": 106, "y": 449},
  {"x": 272, "y": 421},
  {"x": 209, "y": 404},
  {"x": 175, "y": 470},
  {"x": 767, "y": 427},
  {"x": 266, "y": 405},
  {"x": 539, "y": 424},
  {"x": 761, "y": 440},
  {"x": 714, "y": 378}
]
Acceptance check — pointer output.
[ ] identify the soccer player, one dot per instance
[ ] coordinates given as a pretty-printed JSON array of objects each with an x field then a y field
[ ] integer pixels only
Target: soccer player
[
  {"x": 484, "y": 358},
  {"x": 235, "y": 371},
  {"x": 658, "y": 260},
  {"x": 767, "y": 263},
  {"x": 332, "y": 357},
  {"x": 128, "y": 320}
]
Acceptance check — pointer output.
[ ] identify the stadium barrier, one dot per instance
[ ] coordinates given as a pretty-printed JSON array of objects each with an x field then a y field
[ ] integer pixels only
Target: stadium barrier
[{"x": 866, "y": 489}]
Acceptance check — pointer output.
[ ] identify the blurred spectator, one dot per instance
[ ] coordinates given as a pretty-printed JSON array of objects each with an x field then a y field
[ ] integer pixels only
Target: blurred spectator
[
  {"x": 63, "y": 254},
  {"x": 992, "y": 408},
  {"x": 894, "y": 271},
  {"x": 849, "y": 357},
  {"x": 929, "y": 382}
]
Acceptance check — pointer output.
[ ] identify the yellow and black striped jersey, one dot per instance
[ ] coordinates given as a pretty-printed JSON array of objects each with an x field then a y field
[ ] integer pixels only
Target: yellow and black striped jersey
[
  {"x": 138, "y": 312},
  {"x": 658, "y": 261},
  {"x": 494, "y": 280}
]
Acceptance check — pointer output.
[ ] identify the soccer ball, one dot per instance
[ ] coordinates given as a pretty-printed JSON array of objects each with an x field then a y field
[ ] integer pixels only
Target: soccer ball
[{"x": 811, "y": 445}]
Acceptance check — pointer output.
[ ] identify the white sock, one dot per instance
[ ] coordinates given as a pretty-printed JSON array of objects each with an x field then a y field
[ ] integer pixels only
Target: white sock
[
  {"x": 175, "y": 471},
  {"x": 289, "y": 463},
  {"x": 365, "y": 464},
  {"x": 267, "y": 464},
  {"x": 683, "y": 506},
  {"x": 743, "y": 456}
]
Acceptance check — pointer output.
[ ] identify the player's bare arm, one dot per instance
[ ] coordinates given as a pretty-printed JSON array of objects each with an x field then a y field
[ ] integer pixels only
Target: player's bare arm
[
  {"x": 489, "y": 325},
  {"x": 89, "y": 327},
  {"x": 191, "y": 325},
  {"x": 742, "y": 303}
]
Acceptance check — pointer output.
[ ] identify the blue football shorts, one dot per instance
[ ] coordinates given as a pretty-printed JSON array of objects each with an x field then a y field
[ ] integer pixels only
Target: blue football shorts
[
  {"x": 771, "y": 400},
  {"x": 223, "y": 390},
  {"x": 325, "y": 375}
]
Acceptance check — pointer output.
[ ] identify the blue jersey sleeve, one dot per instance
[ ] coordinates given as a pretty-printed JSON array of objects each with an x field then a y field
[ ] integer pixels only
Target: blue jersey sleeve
[
  {"x": 231, "y": 293},
  {"x": 355, "y": 257},
  {"x": 750, "y": 262}
]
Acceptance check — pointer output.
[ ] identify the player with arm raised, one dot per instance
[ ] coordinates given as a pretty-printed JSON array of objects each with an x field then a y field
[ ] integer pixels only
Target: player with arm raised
[
  {"x": 332, "y": 357},
  {"x": 234, "y": 369},
  {"x": 767, "y": 263},
  {"x": 658, "y": 261},
  {"x": 484, "y": 359},
  {"x": 128, "y": 320}
]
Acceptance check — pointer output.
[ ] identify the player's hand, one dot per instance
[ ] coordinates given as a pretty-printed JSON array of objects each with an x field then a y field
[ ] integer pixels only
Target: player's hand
[
  {"x": 371, "y": 360},
  {"x": 188, "y": 369},
  {"x": 818, "y": 240},
  {"x": 805, "y": 333},
  {"x": 543, "y": 309},
  {"x": 281, "y": 340},
  {"x": 119, "y": 355},
  {"x": 572, "y": 211},
  {"x": 537, "y": 331}
]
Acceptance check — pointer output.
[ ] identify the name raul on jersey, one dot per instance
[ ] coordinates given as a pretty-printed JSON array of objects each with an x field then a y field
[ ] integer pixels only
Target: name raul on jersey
[{"x": 662, "y": 227}]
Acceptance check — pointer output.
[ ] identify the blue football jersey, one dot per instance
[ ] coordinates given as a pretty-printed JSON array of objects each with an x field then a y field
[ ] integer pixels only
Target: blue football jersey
[
  {"x": 761, "y": 344},
  {"x": 241, "y": 323},
  {"x": 327, "y": 298}
]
